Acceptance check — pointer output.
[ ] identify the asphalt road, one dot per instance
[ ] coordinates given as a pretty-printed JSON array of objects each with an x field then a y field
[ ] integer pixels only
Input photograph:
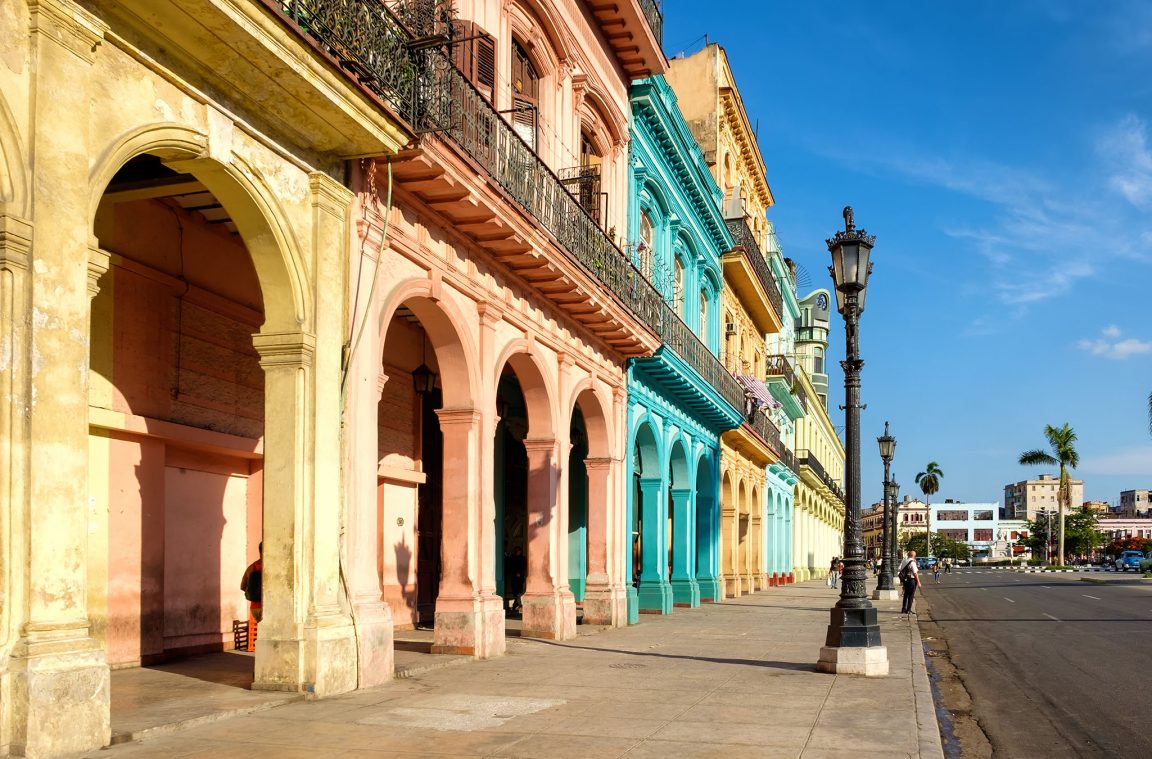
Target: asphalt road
[{"x": 1056, "y": 667}]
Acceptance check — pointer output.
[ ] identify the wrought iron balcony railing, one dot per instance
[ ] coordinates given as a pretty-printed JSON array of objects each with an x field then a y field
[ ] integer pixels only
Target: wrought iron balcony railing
[
  {"x": 655, "y": 16},
  {"x": 676, "y": 334},
  {"x": 743, "y": 237},
  {"x": 767, "y": 431},
  {"x": 781, "y": 366},
  {"x": 807, "y": 458},
  {"x": 584, "y": 184},
  {"x": 396, "y": 48}
]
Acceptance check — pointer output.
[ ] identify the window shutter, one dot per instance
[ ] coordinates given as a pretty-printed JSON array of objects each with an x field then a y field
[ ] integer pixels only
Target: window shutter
[
  {"x": 486, "y": 63},
  {"x": 524, "y": 120},
  {"x": 475, "y": 55}
]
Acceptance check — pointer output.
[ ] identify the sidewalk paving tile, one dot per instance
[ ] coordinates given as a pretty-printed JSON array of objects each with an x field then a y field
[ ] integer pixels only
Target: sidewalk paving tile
[{"x": 730, "y": 680}]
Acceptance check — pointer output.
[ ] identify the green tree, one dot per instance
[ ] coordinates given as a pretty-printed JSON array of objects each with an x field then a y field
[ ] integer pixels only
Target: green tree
[
  {"x": 1062, "y": 442},
  {"x": 1080, "y": 533},
  {"x": 929, "y": 482},
  {"x": 944, "y": 546}
]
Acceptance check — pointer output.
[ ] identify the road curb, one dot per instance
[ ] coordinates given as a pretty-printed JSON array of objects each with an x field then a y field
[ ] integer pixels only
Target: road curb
[
  {"x": 1137, "y": 580},
  {"x": 927, "y": 726}
]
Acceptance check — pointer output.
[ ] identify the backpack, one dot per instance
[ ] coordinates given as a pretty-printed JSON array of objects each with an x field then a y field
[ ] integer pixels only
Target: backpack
[
  {"x": 252, "y": 591},
  {"x": 906, "y": 572}
]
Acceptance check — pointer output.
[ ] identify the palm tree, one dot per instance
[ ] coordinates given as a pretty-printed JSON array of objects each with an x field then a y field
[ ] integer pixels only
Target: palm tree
[
  {"x": 929, "y": 482},
  {"x": 1062, "y": 442}
]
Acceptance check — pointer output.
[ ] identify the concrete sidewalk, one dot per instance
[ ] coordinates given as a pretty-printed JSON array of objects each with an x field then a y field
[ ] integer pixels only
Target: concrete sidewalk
[{"x": 736, "y": 679}]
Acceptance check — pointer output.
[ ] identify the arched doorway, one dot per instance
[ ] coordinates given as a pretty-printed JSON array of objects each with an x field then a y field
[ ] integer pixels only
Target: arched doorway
[
  {"x": 527, "y": 464},
  {"x": 682, "y": 529},
  {"x": 707, "y": 535},
  {"x": 729, "y": 527},
  {"x": 650, "y": 525},
  {"x": 590, "y": 475},
  {"x": 176, "y": 411}
]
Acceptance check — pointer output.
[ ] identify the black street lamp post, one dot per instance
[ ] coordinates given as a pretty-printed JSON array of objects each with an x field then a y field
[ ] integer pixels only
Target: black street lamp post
[
  {"x": 852, "y": 645},
  {"x": 887, "y": 445},
  {"x": 893, "y": 539}
]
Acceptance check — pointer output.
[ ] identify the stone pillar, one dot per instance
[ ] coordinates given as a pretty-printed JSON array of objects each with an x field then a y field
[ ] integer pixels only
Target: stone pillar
[
  {"x": 547, "y": 612},
  {"x": 469, "y": 620},
  {"x": 685, "y": 589},
  {"x": 334, "y": 663},
  {"x": 605, "y": 601},
  {"x": 706, "y": 548},
  {"x": 654, "y": 594},
  {"x": 365, "y": 385},
  {"x": 730, "y": 529},
  {"x": 56, "y": 696}
]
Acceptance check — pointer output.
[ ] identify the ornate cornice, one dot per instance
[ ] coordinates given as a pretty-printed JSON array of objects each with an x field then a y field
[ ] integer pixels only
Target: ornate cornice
[{"x": 69, "y": 25}]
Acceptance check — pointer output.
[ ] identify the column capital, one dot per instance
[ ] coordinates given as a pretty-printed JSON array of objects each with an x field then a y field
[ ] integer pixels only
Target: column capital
[
  {"x": 329, "y": 195},
  {"x": 285, "y": 349},
  {"x": 98, "y": 263},
  {"x": 381, "y": 381},
  {"x": 15, "y": 242},
  {"x": 490, "y": 313},
  {"x": 458, "y": 416},
  {"x": 597, "y": 463},
  {"x": 69, "y": 25},
  {"x": 540, "y": 445}
]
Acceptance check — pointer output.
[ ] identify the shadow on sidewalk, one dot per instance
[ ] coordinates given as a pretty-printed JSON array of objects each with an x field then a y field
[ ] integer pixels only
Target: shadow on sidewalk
[{"x": 794, "y": 666}]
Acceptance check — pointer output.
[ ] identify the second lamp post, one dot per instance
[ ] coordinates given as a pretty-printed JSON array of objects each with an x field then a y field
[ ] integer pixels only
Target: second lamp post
[{"x": 884, "y": 588}]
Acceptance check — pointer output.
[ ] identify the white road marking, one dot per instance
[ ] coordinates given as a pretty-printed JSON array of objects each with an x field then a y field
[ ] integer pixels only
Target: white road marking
[
  {"x": 983, "y": 588},
  {"x": 1046, "y": 587},
  {"x": 1009, "y": 600},
  {"x": 1094, "y": 598},
  {"x": 1054, "y": 619}
]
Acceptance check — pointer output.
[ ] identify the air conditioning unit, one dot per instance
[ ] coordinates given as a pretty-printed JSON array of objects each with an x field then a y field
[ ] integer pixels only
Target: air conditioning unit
[{"x": 730, "y": 328}]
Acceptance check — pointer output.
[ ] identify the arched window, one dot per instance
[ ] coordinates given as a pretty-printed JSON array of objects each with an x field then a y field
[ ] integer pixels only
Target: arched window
[
  {"x": 677, "y": 284},
  {"x": 525, "y": 94},
  {"x": 704, "y": 326},
  {"x": 645, "y": 249}
]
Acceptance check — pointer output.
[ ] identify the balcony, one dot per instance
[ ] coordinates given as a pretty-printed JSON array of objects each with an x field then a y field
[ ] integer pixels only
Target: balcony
[
  {"x": 752, "y": 279},
  {"x": 780, "y": 376},
  {"x": 690, "y": 353},
  {"x": 808, "y": 459},
  {"x": 584, "y": 184},
  {"x": 768, "y": 432},
  {"x": 634, "y": 29},
  {"x": 398, "y": 52}
]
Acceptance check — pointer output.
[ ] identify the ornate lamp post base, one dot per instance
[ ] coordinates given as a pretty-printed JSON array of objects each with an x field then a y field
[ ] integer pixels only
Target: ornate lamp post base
[
  {"x": 853, "y": 644},
  {"x": 869, "y": 662}
]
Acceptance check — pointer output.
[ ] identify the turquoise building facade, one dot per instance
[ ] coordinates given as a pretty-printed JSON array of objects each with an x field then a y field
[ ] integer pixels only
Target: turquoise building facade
[{"x": 681, "y": 398}]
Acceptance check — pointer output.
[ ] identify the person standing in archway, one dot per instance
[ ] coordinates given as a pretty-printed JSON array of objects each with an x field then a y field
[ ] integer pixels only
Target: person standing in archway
[{"x": 253, "y": 585}]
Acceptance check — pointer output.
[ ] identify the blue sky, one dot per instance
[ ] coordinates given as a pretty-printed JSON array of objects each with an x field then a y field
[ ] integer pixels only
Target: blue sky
[{"x": 1002, "y": 154}]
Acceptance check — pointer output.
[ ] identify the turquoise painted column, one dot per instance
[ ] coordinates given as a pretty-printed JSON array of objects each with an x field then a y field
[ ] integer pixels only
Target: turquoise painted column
[
  {"x": 707, "y": 537},
  {"x": 769, "y": 538},
  {"x": 654, "y": 594},
  {"x": 685, "y": 590},
  {"x": 789, "y": 537}
]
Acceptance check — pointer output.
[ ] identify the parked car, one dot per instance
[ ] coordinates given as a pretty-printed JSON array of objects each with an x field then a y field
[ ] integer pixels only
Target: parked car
[{"x": 1129, "y": 560}]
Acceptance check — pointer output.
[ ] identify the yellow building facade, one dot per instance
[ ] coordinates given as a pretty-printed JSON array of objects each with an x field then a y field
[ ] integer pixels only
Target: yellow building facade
[
  {"x": 818, "y": 522},
  {"x": 171, "y": 279},
  {"x": 751, "y": 309}
]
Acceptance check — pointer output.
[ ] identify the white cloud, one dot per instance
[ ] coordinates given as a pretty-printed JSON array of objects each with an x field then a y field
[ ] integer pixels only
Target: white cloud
[
  {"x": 1124, "y": 148},
  {"x": 1135, "y": 460},
  {"x": 1111, "y": 346}
]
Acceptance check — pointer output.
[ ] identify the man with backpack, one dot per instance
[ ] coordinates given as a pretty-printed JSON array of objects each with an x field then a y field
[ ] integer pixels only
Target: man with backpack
[{"x": 909, "y": 576}]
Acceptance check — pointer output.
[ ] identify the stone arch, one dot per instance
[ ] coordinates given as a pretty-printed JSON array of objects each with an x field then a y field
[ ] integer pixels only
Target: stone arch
[
  {"x": 447, "y": 330},
  {"x": 536, "y": 385},
  {"x": 13, "y": 173},
  {"x": 647, "y": 444},
  {"x": 273, "y": 247},
  {"x": 678, "y": 463},
  {"x": 597, "y": 422},
  {"x": 532, "y": 24}
]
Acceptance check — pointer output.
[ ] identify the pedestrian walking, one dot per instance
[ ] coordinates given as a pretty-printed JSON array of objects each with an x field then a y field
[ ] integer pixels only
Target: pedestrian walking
[
  {"x": 909, "y": 575},
  {"x": 936, "y": 571},
  {"x": 947, "y": 566},
  {"x": 834, "y": 572}
]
